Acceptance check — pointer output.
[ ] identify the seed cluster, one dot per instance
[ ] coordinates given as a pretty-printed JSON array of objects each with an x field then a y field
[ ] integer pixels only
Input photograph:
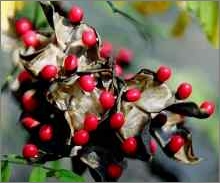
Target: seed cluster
[{"x": 73, "y": 94}]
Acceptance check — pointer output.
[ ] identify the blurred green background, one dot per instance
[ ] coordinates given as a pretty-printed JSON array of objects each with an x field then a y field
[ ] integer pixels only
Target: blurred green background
[{"x": 190, "y": 55}]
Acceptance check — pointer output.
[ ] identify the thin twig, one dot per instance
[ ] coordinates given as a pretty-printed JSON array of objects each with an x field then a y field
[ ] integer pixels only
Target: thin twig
[{"x": 141, "y": 28}]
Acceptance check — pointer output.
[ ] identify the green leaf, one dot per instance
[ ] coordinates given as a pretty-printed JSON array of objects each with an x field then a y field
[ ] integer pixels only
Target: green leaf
[
  {"x": 15, "y": 158},
  {"x": 207, "y": 13},
  {"x": 5, "y": 171},
  {"x": 56, "y": 164},
  {"x": 68, "y": 176},
  {"x": 38, "y": 174}
]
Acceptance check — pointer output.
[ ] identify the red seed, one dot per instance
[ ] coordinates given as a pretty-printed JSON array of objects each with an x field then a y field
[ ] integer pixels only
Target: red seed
[
  {"x": 163, "y": 73},
  {"x": 75, "y": 14},
  {"x": 106, "y": 50},
  {"x": 30, "y": 39},
  {"x": 29, "y": 101},
  {"x": 176, "y": 142},
  {"x": 23, "y": 25},
  {"x": 184, "y": 90},
  {"x": 91, "y": 122},
  {"x": 48, "y": 72},
  {"x": 24, "y": 77},
  {"x": 129, "y": 146},
  {"x": 117, "y": 120},
  {"x": 133, "y": 95},
  {"x": 107, "y": 99},
  {"x": 208, "y": 106},
  {"x": 46, "y": 133},
  {"x": 153, "y": 146},
  {"x": 81, "y": 137},
  {"x": 30, "y": 151},
  {"x": 114, "y": 171},
  {"x": 29, "y": 122},
  {"x": 70, "y": 63},
  {"x": 125, "y": 56},
  {"x": 87, "y": 83},
  {"x": 118, "y": 70},
  {"x": 89, "y": 38}
]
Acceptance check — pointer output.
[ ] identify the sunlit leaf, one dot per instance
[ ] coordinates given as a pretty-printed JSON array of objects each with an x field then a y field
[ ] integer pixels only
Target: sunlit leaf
[{"x": 207, "y": 13}]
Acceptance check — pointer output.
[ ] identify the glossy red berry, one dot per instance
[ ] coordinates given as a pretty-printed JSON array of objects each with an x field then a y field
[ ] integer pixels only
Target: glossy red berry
[
  {"x": 24, "y": 77},
  {"x": 129, "y": 146},
  {"x": 117, "y": 120},
  {"x": 153, "y": 146},
  {"x": 118, "y": 70},
  {"x": 23, "y": 25},
  {"x": 87, "y": 83},
  {"x": 46, "y": 133},
  {"x": 29, "y": 101},
  {"x": 91, "y": 122},
  {"x": 30, "y": 39},
  {"x": 30, "y": 151},
  {"x": 106, "y": 50},
  {"x": 124, "y": 56},
  {"x": 133, "y": 94},
  {"x": 176, "y": 142},
  {"x": 81, "y": 137},
  {"x": 163, "y": 73},
  {"x": 70, "y": 63},
  {"x": 107, "y": 99},
  {"x": 75, "y": 14},
  {"x": 184, "y": 90},
  {"x": 48, "y": 72},
  {"x": 89, "y": 38},
  {"x": 114, "y": 171},
  {"x": 29, "y": 122},
  {"x": 208, "y": 107}
]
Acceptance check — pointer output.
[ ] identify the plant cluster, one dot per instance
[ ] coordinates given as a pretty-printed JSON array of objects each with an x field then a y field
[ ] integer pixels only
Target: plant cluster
[{"x": 76, "y": 103}]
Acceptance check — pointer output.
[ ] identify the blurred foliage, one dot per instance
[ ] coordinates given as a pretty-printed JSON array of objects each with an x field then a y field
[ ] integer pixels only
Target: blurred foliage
[
  {"x": 150, "y": 7},
  {"x": 8, "y": 10},
  {"x": 182, "y": 21},
  {"x": 5, "y": 171},
  {"x": 207, "y": 13}
]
